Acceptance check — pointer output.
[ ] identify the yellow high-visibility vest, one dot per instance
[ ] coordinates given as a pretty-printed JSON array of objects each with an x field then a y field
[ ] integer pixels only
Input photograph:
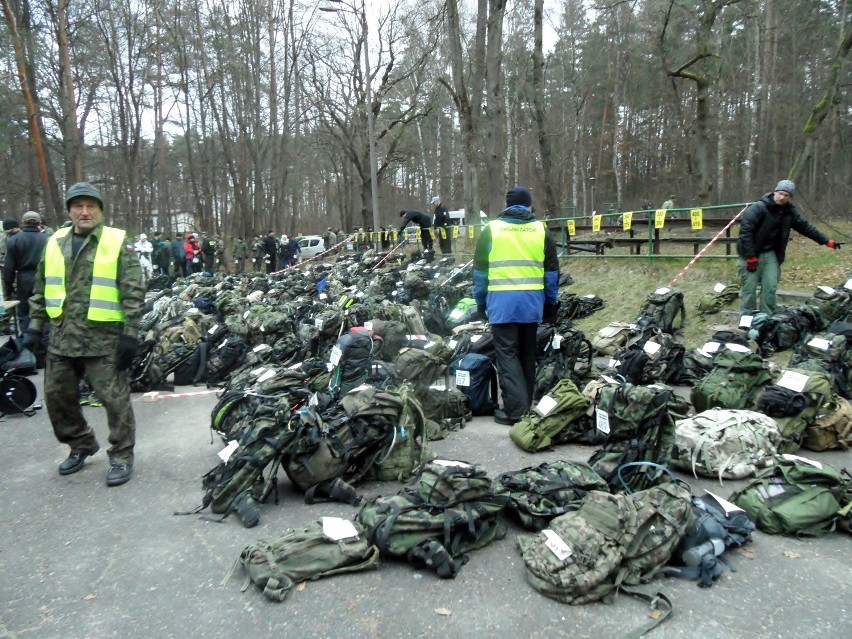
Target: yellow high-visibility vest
[
  {"x": 516, "y": 260},
  {"x": 104, "y": 298}
]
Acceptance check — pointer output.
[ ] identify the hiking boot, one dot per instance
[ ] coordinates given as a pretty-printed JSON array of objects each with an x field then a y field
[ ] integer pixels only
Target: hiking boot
[
  {"x": 502, "y": 418},
  {"x": 118, "y": 474},
  {"x": 75, "y": 460}
]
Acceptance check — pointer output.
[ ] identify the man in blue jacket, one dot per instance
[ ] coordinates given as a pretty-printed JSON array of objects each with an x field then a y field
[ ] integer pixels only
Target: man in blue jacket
[{"x": 516, "y": 282}]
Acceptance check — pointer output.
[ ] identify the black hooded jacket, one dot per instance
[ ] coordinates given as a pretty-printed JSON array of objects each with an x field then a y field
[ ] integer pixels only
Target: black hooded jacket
[
  {"x": 766, "y": 227},
  {"x": 23, "y": 253}
]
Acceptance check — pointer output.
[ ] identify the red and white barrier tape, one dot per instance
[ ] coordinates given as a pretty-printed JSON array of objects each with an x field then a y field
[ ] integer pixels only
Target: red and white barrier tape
[{"x": 709, "y": 244}]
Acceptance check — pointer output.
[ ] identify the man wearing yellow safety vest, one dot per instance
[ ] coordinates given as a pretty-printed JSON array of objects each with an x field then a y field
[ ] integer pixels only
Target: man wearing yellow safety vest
[
  {"x": 89, "y": 286},
  {"x": 516, "y": 282}
]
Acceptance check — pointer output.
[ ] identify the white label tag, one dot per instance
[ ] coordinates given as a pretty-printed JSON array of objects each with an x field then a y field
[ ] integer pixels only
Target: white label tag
[
  {"x": 453, "y": 343},
  {"x": 475, "y": 338},
  {"x": 651, "y": 347},
  {"x": 608, "y": 379},
  {"x": 820, "y": 343},
  {"x": 323, "y": 296},
  {"x": 222, "y": 345},
  {"x": 609, "y": 331},
  {"x": 267, "y": 375},
  {"x": 802, "y": 460},
  {"x": 602, "y": 421},
  {"x": 545, "y": 405},
  {"x": 556, "y": 342},
  {"x": 796, "y": 382},
  {"x": 556, "y": 544},
  {"x": 416, "y": 338},
  {"x": 719, "y": 287},
  {"x": 227, "y": 451},
  {"x": 368, "y": 326},
  {"x": 613, "y": 363},
  {"x": 260, "y": 347},
  {"x": 293, "y": 367},
  {"x": 456, "y": 314},
  {"x": 245, "y": 315},
  {"x": 335, "y": 356},
  {"x": 662, "y": 291},
  {"x": 848, "y": 284},
  {"x": 737, "y": 348},
  {"x": 711, "y": 347},
  {"x": 449, "y": 463},
  {"x": 746, "y": 320},
  {"x": 213, "y": 328},
  {"x": 318, "y": 324},
  {"x": 313, "y": 400},
  {"x": 359, "y": 294},
  {"x": 462, "y": 378},
  {"x": 590, "y": 296},
  {"x": 725, "y": 504},
  {"x": 338, "y": 529},
  {"x": 258, "y": 371},
  {"x": 827, "y": 289}
]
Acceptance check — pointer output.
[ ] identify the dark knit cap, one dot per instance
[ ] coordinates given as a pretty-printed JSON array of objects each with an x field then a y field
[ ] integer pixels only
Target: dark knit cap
[
  {"x": 519, "y": 196},
  {"x": 10, "y": 224}
]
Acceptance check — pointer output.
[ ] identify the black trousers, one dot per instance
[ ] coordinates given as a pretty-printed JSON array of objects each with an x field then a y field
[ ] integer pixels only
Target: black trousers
[{"x": 515, "y": 345}]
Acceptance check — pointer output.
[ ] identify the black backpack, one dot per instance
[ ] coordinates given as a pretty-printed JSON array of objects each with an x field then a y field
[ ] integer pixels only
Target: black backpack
[
  {"x": 352, "y": 357},
  {"x": 476, "y": 377},
  {"x": 226, "y": 357}
]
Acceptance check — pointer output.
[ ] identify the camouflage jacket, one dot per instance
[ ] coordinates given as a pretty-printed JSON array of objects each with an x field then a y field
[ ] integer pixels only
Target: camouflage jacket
[{"x": 73, "y": 334}]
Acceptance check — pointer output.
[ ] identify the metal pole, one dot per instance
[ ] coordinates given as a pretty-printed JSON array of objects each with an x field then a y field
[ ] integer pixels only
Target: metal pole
[{"x": 371, "y": 127}]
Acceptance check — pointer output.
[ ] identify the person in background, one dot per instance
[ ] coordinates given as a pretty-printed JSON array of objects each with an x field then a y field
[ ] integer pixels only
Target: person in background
[
  {"x": 669, "y": 204},
  {"x": 295, "y": 250},
  {"x": 23, "y": 253},
  {"x": 240, "y": 254},
  {"x": 163, "y": 255},
  {"x": 516, "y": 284},
  {"x": 762, "y": 246},
  {"x": 10, "y": 228},
  {"x": 422, "y": 220},
  {"x": 441, "y": 223},
  {"x": 144, "y": 251},
  {"x": 208, "y": 251},
  {"x": 178, "y": 257},
  {"x": 257, "y": 253},
  {"x": 270, "y": 248},
  {"x": 94, "y": 330}
]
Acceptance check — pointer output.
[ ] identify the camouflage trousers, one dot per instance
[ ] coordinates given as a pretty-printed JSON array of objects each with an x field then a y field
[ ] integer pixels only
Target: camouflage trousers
[{"x": 62, "y": 377}]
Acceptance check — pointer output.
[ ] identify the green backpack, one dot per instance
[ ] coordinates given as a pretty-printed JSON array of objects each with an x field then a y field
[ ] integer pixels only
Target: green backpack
[
  {"x": 408, "y": 450},
  {"x": 536, "y": 494},
  {"x": 277, "y": 565},
  {"x": 553, "y": 414},
  {"x": 449, "y": 482},
  {"x": 833, "y": 303},
  {"x": 664, "y": 306},
  {"x": 777, "y": 402},
  {"x": 833, "y": 429},
  {"x": 615, "y": 336},
  {"x": 419, "y": 367},
  {"x": 797, "y": 496},
  {"x": 734, "y": 381},
  {"x": 716, "y": 301}
]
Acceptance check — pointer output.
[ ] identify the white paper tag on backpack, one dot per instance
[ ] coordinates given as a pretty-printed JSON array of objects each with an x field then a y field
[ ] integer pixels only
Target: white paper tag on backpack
[
  {"x": 258, "y": 371},
  {"x": 227, "y": 451},
  {"x": 737, "y": 348},
  {"x": 820, "y": 343},
  {"x": 462, "y": 378},
  {"x": 338, "y": 529},
  {"x": 613, "y": 363},
  {"x": 260, "y": 347},
  {"x": 450, "y": 463},
  {"x": 590, "y": 296},
  {"x": 725, "y": 504},
  {"x": 602, "y": 421},
  {"x": 545, "y": 405},
  {"x": 556, "y": 342},
  {"x": 827, "y": 289},
  {"x": 556, "y": 544},
  {"x": 719, "y": 287},
  {"x": 213, "y": 329},
  {"x": 711, "y": 347},
  {"x": 475, "y": 338},
  {"x": 222, "y": 345},
  {"x": 746, "y": 320},
  {"x": 796, "y": 382},
  {"x": 608, "y": 379},
  {"x": 662, "y": 291},
  {"x": 267, "y": 375},
  {"x": 848, "y": 284},
  {"x": 453, "y": 343},
  {"x": 318, "y": 324},
  {"x": 314, "y": 400},
  {"x": 323, "y": 296},
  {"x": 803, "y": 460},
  {"x": 335, "y": 356},
  {"x": 368, "y": 326},
  {"x": 651, "y": 347}
]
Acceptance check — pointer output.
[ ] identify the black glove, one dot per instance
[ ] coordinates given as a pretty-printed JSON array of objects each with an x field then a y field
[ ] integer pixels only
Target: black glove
[
  {"x": 31, "y": 339},
  {"x": 550, "y": 313},
  {"x": 125, "y": 352},
  {"x": 483, "y": 312}
]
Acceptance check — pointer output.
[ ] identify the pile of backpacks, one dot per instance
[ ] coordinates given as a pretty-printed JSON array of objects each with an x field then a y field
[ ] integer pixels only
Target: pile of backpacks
[{"x": 336, "y": 373}]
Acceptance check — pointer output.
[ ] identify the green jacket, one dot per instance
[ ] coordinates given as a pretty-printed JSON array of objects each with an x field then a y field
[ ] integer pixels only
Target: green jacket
[
  {"x": 73, "y": 334},
  {"x": 240, "y": 250}
]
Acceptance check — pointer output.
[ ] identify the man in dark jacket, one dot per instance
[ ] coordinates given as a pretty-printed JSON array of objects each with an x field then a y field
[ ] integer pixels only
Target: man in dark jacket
[
  {"x": 442, "y": 223},
  {"x": 421, "y": 220},
  {"x": 209, "y": 246},
  {"x": 516, "y": 281},
  {"x": 270, "y": 247},
  {"x": 23, "y": 253},
  {"x": 178, "y": 258},
  {"x": 762, "y": 245}
]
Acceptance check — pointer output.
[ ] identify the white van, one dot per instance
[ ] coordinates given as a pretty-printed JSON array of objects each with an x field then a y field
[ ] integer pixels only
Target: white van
[
  {"x": 457, "y": 217},
  {"x": 310, "y": 246}
]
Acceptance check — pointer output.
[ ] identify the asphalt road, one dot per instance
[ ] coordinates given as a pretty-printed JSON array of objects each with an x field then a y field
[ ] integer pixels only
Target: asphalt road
[{"x": 79, "y": 559}]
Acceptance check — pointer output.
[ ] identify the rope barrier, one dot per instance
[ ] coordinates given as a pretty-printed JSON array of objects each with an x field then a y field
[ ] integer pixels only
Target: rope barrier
[{"x": 709, "y": 244}]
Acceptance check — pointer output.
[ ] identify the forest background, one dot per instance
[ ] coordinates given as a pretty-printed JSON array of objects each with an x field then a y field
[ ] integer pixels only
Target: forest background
[{"x": 239, "y": 116}]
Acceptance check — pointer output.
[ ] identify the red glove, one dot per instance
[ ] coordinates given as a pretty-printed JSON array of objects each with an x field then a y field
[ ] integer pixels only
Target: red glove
[
  {"x": 751, "y": 264},
  {"x": 833, "y": 244}
]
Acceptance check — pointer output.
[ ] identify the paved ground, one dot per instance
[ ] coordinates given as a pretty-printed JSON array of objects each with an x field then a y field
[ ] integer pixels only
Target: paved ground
[{"x": 78, "y": 559}]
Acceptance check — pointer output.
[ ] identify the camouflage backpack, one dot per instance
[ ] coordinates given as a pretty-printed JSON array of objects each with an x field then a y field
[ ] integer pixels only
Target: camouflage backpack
[
  {"x": 408, "y": 451},
  {"x": 832, "y": 354},
  {"x": 554, "y": 413},
  {"x": 725, "y": 444},
  {"x": 277, "y": 565},
  {"x": 566, "y": 354},
  {"x": 418, "y": 367},
  {"x": 832, "y": 430},
  {"x": 536, "y": 494},
  {"x": 793, "y": 411},
  {"x": 615, "y": 336},
  {"x": 833, "y": 303},
  {"x": 734, "y": 382},
  {"x": 664, "y": 306},
  {"x": 448, "y": 482},
  {"x": 718, "y": 299}
]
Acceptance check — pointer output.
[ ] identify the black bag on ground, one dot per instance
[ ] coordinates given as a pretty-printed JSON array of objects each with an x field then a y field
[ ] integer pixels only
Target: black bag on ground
[
  {"x": 476, "y": 377},
  {"x": 226, "y": 357}
]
